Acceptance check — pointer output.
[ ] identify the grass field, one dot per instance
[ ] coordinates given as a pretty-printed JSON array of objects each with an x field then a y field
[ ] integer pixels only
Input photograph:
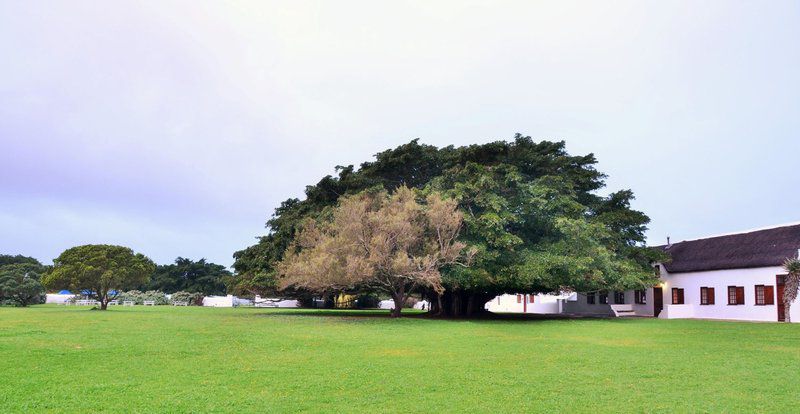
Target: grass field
[{"x": 165, "y": 359}]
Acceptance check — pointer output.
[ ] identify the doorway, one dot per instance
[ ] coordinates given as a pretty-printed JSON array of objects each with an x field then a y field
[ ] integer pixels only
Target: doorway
[{"x": 658, "y": 301}]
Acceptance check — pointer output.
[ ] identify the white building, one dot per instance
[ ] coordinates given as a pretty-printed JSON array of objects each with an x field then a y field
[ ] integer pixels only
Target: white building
[
  {"x": 522, "y": 303},
  {"x": 59, "y": 298},
  {"x": 228, "y": 301},
  {"x": 260, "y": 302},
  {"x": 735, "y": 276}
]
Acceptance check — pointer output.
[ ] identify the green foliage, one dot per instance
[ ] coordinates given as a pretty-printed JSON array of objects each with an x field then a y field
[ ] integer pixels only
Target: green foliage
[
  {"x": 7, "y": 259},
  {"x": 138, "y": 297},
  {"x": 20, "y": 283},
  {"x": 190, "y": 276},
  {"x": 530, "y": 209},
  {"x": 367, "y": 301},
  {"x": 99, "y": 269},
  {"x": 192, "y": 298}
]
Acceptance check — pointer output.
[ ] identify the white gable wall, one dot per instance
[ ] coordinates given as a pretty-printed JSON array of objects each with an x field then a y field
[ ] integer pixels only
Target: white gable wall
[{"x": 691, "y": 282}]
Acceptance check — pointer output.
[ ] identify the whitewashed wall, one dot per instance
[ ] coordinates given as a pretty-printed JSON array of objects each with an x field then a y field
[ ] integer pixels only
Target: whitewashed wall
[
  {"x": 720, "y": 280},
  {"x": 547, "y": 304}
]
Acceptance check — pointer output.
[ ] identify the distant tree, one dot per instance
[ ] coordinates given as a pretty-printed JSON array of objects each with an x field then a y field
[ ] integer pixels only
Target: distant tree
[
  {"x": 7, "y": 259},
  {"x": 190, "y": 276},
  {"x": 101, "y": 270},
  {"x": 791, "y": 286},
  {"x": 20, "y": 282},
  {"x": 378, "y": 242}
]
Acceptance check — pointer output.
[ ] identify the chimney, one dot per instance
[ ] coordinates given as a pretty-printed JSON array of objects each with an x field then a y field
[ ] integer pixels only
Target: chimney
[{"x": 670, "y": 244}]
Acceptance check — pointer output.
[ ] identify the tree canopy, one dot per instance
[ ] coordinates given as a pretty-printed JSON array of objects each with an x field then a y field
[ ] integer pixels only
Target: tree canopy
[
  {"x": 20, "y": 280},
  {"x": 377, "y": 242},
  {"x": 100, "y": 270},
  {"x": 7, "y": 259},
  {"x": 190, "y": 276},
  {"x": 532, "y": 211}
]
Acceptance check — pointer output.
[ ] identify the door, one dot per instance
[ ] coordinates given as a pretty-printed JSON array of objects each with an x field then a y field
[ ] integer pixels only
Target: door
[
  {"x": 780, "y": 280},
  {"x": 658, "y": 301}
]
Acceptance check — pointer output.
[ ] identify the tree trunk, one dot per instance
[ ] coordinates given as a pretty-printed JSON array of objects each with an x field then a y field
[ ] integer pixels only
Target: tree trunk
[
  {"x": 458, "y": 304},
  {"x": 104, "y": 303},
  {"x": 398, "y": 306},
  {"x": 399, "y": 298},
  {"x": 790, "y": 288}
]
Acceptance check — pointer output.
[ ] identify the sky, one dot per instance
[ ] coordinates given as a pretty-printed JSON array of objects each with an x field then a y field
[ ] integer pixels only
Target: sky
[{"x": 176, "y": 128}]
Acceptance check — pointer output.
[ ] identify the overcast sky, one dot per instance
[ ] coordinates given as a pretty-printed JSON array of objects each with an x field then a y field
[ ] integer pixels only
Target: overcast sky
[{"x": 176, "y": 128}]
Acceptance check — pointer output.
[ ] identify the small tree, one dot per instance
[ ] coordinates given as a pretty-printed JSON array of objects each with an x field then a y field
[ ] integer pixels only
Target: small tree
[
  {"x": 19, "y": 283},
  {"x": 100, "y": 269},
  {"x": 791, "y": 286},
  {"x": 377, "y": 242}
]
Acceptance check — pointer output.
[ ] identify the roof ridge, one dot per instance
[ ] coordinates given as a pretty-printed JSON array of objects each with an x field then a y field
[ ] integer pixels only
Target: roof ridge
[{"x": 777, "y": 226}]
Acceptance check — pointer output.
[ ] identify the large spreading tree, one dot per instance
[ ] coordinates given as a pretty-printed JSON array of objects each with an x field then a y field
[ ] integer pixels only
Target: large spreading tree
[
  {"x": 99, "y": 270},
  {"x": 377, "y": 242},
  {"x": 532, "y": 212}
]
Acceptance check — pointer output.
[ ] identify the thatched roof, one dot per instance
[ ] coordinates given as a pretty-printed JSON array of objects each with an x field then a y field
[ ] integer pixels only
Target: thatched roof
[{"x": 760, "y": 248}]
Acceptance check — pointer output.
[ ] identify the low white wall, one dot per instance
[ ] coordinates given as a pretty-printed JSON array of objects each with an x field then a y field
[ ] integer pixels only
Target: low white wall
[{"x": 677, "y": 312}]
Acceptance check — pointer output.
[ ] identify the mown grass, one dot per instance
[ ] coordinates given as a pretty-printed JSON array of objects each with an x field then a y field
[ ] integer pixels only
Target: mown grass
[{"x": 165, "y": 359}]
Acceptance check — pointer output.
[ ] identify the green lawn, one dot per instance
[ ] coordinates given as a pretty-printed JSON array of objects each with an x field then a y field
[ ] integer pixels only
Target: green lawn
[{"x": 165, "y": 359}]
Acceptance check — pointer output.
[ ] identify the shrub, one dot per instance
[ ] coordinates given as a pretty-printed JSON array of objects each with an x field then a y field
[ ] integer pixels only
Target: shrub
[
  {"x": 138, "y": 297},
  {"x": 367, "y": 302},
  {"x": 193, "y": 298}
]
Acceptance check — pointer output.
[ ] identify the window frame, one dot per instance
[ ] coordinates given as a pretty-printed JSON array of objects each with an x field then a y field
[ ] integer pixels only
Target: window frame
[
  {"x": 678, "y": 296},
  {"x": 619, "y": 298},
  {"x": 710, "y": 295},
  {"x": 767, "y": 295},
  {"x": 602, "y": 298},
  {"x": 640, "y": 296},
  {"x": 734, "y": 294},
  {"x": 590, "y": 300}
]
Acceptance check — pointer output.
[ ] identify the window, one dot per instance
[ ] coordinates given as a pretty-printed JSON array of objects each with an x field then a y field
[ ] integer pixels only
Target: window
[
  {"x": 657, "y": 269},
  {"x": 735, "y": 295},
  {"x": 604, "y": 298},
  {"x": 619, "y": 298},
  {"x": 519, "y": 298},
  {"x": 765, "y": 295},
  {"x": 706, "y": 295},
  {"x": 590, "y": 298},
  {"x": 677, "y": 296},
  {"x": 530, "y": 298},
  {"x": 640, "y": 297}
]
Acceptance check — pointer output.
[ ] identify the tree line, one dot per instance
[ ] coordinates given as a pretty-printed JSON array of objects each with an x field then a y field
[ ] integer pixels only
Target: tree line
[{"x": 102, "y": 272}]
